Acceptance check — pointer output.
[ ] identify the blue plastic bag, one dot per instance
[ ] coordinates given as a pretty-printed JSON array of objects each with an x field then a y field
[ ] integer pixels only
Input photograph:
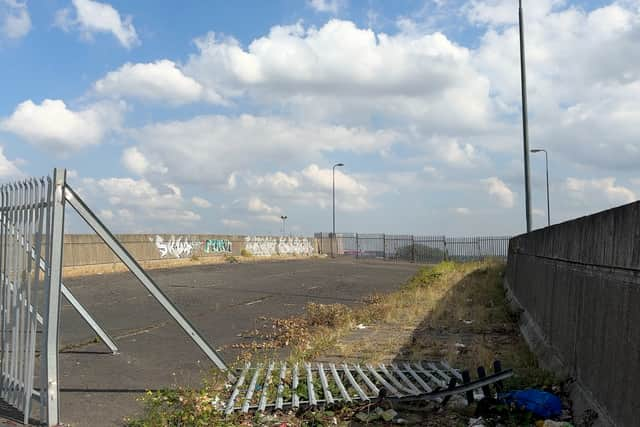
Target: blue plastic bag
[{"x": 540, "y": 403}]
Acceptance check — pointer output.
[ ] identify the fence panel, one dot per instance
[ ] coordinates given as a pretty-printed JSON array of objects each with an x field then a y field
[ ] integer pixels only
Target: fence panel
[
  {"x": 25, "y": 238},
  {"x": 420, "y": 249}
]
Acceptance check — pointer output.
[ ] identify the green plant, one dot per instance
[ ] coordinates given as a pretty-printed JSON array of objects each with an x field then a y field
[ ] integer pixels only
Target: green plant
[
  {"x": 231, "y": 259},
  {"x": 245, "y": 252}
]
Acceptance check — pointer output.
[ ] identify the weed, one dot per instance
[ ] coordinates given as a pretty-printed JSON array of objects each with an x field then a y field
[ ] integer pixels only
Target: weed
[
  {"x": 231, "y": 259},
  {"x": 245, "y": 253}
]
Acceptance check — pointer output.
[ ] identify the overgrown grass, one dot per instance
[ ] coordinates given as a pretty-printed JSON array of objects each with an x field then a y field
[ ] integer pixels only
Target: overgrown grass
[{"x": 440, "y": 306}]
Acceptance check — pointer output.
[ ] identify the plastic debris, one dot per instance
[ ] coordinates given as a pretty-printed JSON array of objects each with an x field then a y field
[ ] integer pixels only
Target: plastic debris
[
  {"x": 457, "y": 402},
  {"x": 389, "y": 415},
  {"x": 360, "y": 326},
  {"x": 476, "y": 422},
  {"x": 540, "y": 403}
]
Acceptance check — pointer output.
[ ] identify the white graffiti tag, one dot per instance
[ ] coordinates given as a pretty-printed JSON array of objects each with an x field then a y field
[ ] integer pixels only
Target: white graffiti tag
[
  {"x": 180, "y": 247},
  {"x": 269, "y": 246}
]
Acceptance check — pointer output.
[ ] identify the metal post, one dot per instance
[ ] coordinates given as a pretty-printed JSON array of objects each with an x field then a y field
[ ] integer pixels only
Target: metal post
[
  {"x": 444, "y": 244},
  {"x": 334, "y": 206},
  {"x": 384, "y": 246},
  {"x": 52, "y": 314},
  {"x": 413, "y": 249},
  {"x": 546, "y": 161},
  {"x": 124, "y": 256},
  {"x": 525, "y": 121},
  {"x": 357, "y": 247}
]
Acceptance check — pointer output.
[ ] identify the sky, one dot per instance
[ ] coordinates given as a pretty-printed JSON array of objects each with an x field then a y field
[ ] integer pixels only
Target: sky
[{"x": 220, "y": 117}]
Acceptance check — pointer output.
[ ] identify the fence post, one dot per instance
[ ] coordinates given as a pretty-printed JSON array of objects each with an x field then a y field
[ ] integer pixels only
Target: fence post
[
  {"x": 444, "y": 243},
  {"x": 384, "y": 247},
  {"x": 413, "y": 249},
  {"x": 357, "y": 247},
  {"x": 52, "y": 314}
]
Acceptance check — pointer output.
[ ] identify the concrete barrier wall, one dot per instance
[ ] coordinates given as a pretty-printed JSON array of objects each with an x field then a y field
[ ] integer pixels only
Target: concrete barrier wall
[
  {"x": 579, "y": 283},
  {"x": 88, "y": 249}
]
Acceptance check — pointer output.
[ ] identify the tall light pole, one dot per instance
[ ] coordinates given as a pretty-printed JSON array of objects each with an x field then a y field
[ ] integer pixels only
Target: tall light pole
[
  {"x": 283, "y": 218},
  {"x": 546, "y": 162},
  {"x": 334, "y": 206},
  {"x": 525, "y": 121}
]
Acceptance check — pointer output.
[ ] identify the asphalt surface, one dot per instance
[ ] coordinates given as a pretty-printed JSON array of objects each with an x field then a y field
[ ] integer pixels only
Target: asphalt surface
[{"x": 221, "y": 301}]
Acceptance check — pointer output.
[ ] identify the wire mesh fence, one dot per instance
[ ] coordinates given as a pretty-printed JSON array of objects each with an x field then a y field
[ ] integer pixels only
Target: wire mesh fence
[{"x": 420, "y": 249}]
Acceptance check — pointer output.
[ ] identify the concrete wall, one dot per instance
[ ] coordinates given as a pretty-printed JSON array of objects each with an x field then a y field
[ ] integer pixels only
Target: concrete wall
[
  {"x": 579, "y": 283},
  {"x": 88, "y": 250}
]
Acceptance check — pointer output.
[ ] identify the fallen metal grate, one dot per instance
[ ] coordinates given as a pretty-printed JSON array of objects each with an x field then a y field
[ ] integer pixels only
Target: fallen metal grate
[{"x": 276, "y": 386}]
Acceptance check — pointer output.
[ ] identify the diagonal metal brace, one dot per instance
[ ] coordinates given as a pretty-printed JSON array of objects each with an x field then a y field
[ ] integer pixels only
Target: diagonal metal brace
[{"x": 109, "y": 239}]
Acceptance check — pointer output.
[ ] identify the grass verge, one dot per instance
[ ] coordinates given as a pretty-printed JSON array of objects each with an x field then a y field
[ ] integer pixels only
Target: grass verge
[{"x": 451, "y": 311}]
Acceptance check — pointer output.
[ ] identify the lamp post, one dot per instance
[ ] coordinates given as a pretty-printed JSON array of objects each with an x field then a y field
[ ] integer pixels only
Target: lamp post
[
  {"x": 283, "y": 218},
  {"x": 525, "y": 120},
  {"x": 546, "y": 162},
  {"x": 334, "y": 206}
]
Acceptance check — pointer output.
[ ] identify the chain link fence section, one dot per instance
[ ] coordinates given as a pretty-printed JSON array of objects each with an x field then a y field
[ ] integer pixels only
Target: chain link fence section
[{"x": 419, "y": 249}]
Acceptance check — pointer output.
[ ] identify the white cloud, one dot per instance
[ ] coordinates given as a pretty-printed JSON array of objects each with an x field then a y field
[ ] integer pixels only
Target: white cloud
[
  {"x": 155, "y": 81},
  {"x": 8, "y": 169},
  {"x": 54, "y": 126},
  {"x": 269, "y": 218},
  {"x": 589, "y": 191},
  {"x": 136, "y": 162},
  {"x": 500, "y": 192},
  {"x": 233, "y": 223},
  {"x": 342, "y": 71},
  {"x": 278, "y": 182},
  {"x": 455, "y": 153},
  {"x": 247, "y": 143},
  {"x": 96, "y": 17},
  {"x": 331, "y": 6},
  {"x": 462, "y": 211},
  {"x": 15, "y": 21},
  {"x": 106, "y": 214},
  {"x": 500, "y": 12},
  {"x": 582, "y": 81},
  {"x": 323, "y": 179},
  {"x": 200, "y": 202},
  {"x": 256, "y": 205},
  {"x": 313, "y": 186},
  {"x": 139, "y": 202}
]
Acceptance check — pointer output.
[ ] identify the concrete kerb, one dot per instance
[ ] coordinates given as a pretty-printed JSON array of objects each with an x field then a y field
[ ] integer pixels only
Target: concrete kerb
[{"x": 118, "y": 267}]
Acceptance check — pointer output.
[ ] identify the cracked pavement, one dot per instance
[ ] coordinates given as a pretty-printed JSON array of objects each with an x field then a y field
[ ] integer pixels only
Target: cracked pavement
[{"x": 222, "y": 301}]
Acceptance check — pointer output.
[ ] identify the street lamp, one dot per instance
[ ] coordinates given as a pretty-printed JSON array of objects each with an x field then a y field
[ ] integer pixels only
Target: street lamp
[
  {"x": 525, "y": 121},
  {"x": 546, "y": 162},
  {"x": 334, "y": 205},
  {"x": 283, "y": 218}
]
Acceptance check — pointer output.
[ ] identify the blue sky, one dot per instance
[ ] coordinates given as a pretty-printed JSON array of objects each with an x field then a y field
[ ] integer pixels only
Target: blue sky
[{"x": 217, "y": 116}]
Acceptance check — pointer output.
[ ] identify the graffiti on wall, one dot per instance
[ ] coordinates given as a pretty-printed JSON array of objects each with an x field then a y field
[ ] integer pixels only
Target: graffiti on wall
[
  {"x": 217, "y": 246},
  {"x": 178, "y": 248},
  {"x": 269, "y": 246}
]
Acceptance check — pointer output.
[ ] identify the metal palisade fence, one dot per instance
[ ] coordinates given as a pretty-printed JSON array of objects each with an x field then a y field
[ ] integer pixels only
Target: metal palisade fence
[
  {"x": 421, "y": 249},
  {"x": 31, "y": 244}
]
